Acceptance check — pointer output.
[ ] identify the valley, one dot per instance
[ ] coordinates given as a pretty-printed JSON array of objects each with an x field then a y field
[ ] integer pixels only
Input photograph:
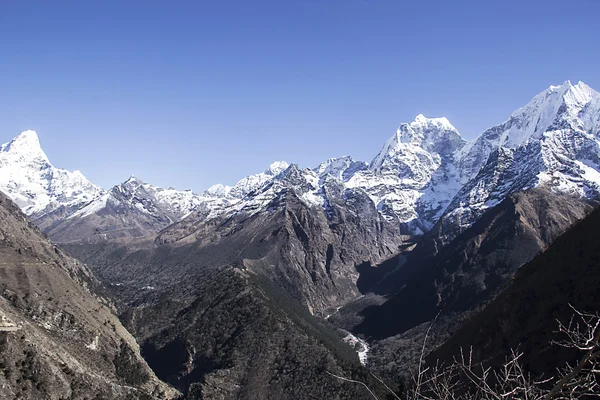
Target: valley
[{"x": 279, "y": 285}]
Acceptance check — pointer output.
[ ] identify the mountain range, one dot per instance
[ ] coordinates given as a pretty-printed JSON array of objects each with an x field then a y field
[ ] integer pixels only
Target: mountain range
[
  {"x": 424, "y": 172},
  {"x": 249, "y": 291}
]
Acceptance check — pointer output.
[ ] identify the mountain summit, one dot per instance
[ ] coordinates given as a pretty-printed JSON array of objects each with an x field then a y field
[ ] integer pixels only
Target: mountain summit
[
  {"x": 28, "y": 177},
  {"x": 553, "y": 142}
]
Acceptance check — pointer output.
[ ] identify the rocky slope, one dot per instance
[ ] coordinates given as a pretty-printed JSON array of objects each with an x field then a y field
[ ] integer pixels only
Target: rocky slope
[
  {"x": 475, "y": 266},
  {"x": 525, "y": 315},
  {"x": 312, "y": 253},
  {"x": 222, "y": 308},
  {"x": 448, "y": 283},
  {"x": 57, "y": 338}
]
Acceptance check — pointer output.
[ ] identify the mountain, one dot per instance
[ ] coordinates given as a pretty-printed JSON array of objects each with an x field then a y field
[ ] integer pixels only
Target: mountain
[
  {"x": 128, "y": 210},
  {"x": 309, "y": 239},
  {"x": 58, "y": 338},
  {"x": 28, "y": 177},
  {"x": 473, "y": 268},
  {"x": 67, "y": 207},
  {"x": 448, "y": 283},
  {"x": 554, "y": 142},
  {"x": 432, "y": 223},
  {"x": 223, "y": 306},
  {"x": 526, "y": 314},
  {"x": 424, "y": 172},
  {"x": 414, "y": 176},
  {"x": 427, "y": 171}
]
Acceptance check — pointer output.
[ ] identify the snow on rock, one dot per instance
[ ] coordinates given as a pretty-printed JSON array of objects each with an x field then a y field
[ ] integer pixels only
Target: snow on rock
[
  {"x": 253, "y": 182},
  {"x": 152, "y": 200},
  {"x": 34, "y": 184},
  {"x": 553, "y": 141},
  {"x": 424, "y": 172}
]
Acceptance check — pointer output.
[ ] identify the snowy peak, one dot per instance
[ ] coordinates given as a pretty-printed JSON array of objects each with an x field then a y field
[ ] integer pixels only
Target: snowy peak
[
  {"x": 430, "y": 135},
  {"x": 31, "y": 181},
  {"x": 26, "y": 146},
  {"x": 276, "y": 168},
  {"x": 578, "y": 95},
  {"x": 131, "y": 180},
  {"x": 252, "y": 182},
  {"x": 135, "y": 196},
  {"x": 341, "y": 168},
  {"x": 218, "y": 190},
  {"x": 556, "y": 106},
  {"x": 440, "y": 123},
  {"x": 553, "y": 141}
]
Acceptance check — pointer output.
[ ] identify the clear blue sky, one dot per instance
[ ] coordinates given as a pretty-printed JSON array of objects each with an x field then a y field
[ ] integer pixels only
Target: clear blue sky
[{"x": 188, "y": 94}]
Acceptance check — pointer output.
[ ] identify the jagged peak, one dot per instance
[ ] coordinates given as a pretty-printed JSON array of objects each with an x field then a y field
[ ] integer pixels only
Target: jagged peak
[
  {"x": 218, "y": 190},
  {"x": 27, "y": 145},
  {"x": 429, "y": 134},
  {"x": 130, "y": 185},
  {"x": 552, "y": 98},
  {"x": 29, "y": 136},
  {"x": 423, "y": 129},
  {"x": 132, "y": 179},
  {"x": 334, "y": 161},
  {"x": 440, "y": 122},
  {"x": 277, "y": 167}
]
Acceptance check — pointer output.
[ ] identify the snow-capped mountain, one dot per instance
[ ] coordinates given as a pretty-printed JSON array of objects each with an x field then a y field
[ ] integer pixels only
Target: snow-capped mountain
[
  {"x": 342, "y": 168},
  {"x": 253, "y": 182},
  {"x": 130, "y": 209},
  {"x": 57, "y": 199},
  {"x": 254, "y": 192},
  {"x": 426, "y": 169},
  {"x": 424, "y": 172},
  {"x": 34, "y": 184},
  {"x": 416, "y": 173},
  {"x": 158, "y": 202},
  {"x": 554, "y": 141}
]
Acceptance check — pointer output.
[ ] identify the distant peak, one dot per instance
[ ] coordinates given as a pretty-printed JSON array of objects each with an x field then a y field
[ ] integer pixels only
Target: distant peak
[
  {"x": 28, "y": 135},
  {"x": 27, "y": 145},
  {"x": 133, "y": 180},
  {"x": 441, "y": 122},
  {"x": 218, "y": 190},
  {"x": 277, "y": 167},
  {"x": 566, "y": 85}
]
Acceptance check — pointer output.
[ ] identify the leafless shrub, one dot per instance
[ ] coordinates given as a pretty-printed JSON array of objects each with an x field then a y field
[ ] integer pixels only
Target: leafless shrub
[{"x": 464, "y": 378}]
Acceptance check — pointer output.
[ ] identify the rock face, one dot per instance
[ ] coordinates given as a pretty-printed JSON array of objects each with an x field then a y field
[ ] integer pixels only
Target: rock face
[
  {"x": 57, "y": 338},
  {"x": 311, "y": 252},
  {"x": 448, "y": 283},
  {"x": 475, "y": 266},
  {"x": 525, "y": 315}
]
